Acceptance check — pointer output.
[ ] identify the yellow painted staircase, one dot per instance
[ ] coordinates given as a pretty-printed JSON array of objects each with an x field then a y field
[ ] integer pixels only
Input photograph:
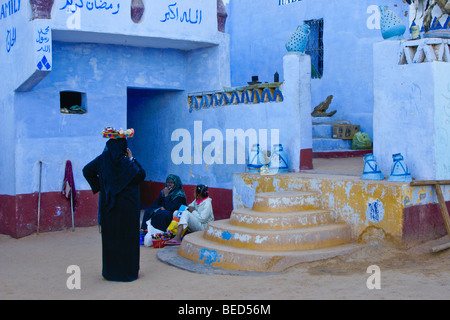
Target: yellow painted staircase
[{"x": 281, "y": 230}]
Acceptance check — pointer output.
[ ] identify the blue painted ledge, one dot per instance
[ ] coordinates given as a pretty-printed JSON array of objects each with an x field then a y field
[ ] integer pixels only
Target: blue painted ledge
[{"x": 260, "y": 93}]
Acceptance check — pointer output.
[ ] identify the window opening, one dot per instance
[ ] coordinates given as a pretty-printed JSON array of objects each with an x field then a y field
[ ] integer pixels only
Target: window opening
[
  {"x": 314, "y": 47},
  {"x": 72, "y": 102}
]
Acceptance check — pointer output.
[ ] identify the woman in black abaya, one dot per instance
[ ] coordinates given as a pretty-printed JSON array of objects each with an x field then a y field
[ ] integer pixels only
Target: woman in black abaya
[
  {"x": 169, "y": 200},
  {"x": 117, "y": 175}
]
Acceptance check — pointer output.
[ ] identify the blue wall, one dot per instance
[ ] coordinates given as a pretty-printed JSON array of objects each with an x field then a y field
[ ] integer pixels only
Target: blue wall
[
  {"x": 260, "y": 28},
  {"x": 103, "y": 73}
]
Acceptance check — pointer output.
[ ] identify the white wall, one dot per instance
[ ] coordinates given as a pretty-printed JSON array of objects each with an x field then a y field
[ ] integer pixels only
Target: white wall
[{"x": 411, "y": 113}]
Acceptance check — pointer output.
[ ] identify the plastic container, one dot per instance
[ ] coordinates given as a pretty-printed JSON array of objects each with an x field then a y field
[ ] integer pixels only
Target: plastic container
[
  {"x": 256, "y": 159},
  {"x": 278, "y": 160}
]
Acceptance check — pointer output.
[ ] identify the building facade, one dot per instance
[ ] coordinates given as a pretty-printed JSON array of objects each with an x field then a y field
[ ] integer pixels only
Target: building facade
[{"x": 167, "y": 69}]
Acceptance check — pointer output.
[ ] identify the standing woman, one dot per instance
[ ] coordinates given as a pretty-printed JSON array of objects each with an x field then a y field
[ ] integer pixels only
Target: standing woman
[{"x": 117, "y": 175}]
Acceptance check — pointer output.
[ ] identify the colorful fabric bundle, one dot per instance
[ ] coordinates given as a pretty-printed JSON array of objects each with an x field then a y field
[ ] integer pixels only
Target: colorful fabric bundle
[
  {"x": 163, "y": 236},
  {"x": 111, "y": 133}
]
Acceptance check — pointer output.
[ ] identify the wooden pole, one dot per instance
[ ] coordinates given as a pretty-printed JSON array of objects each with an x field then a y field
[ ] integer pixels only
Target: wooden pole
[
  {"x": 443, "y": 207},
  {"x": 437, "y": 186},
  {"x": 71, "y": 209},
  {"x": 39, "y": 199},
  {"x": 417, "y": 183},
  {"x": 441, "y": 247}
]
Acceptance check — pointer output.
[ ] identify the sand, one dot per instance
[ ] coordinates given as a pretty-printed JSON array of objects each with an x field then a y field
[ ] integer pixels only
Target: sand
[{"x": 35, "y": 267}]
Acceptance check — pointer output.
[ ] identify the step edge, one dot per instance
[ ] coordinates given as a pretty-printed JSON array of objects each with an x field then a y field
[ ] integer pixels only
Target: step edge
[{"x": 197, "y": 236}]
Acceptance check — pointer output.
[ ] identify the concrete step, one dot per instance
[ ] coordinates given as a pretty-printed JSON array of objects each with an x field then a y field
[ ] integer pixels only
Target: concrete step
[
  {"x": 286, "y": 201},
  {"x": 327, "y": 144},
  {"x": 328, "y": 120},
  {"x": 198, "y": 249},
  {"x": 330, "y": 154},
  {"x": 322, "y": 131},
  {"x": 317, "y": 237},
  {"x": 277, "y": 221}
]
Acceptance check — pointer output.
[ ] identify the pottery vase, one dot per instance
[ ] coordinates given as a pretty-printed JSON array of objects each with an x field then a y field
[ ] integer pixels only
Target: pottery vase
[
  {"x": 137, "y": 10},
  {"x": 391, "y": 25},
  {"x": 371, "y": 171},
  {"x": 41, "y": 9},
  {"x": 437, "y": 30},
  {"x": 297, "y": 41},
  {"x": 221, "y": 16},
  {"x": 399, "y": 171},
  {"x": 278, "y": 160},
  {"x": 256, "y": 159}
]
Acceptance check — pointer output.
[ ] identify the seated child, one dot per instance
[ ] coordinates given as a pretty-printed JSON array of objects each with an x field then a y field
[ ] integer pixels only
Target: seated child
[{"x": 197, "y": 215}]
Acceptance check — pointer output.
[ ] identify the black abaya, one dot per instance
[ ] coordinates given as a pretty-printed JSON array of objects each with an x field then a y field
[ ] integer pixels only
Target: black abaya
[
  {"x": 117, "y": 178},
  {"x": 161, "y": 211}
]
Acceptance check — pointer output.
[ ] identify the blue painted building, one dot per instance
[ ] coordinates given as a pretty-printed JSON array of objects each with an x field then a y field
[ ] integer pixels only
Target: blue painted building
[
  {"x": 341, "y": 38},
  {"x": 71, "y": 68}
]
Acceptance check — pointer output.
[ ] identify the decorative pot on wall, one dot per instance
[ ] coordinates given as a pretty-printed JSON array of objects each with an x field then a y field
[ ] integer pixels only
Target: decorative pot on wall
[
  {"x": 137, "y": 10},
  {"x": 437, "y": 30},
  {"x": 221, "y": 16},
  {"x": 391, "y": 25},
  {"x": 278, "y": 160},
  {"x": 41, "y": 9},
  {"x": 432, "y": 17},
  {"x": 256, "y": 159},
  {"x": 371, "y": 171},
  {"x": 399, "y": 171},
  {"x": 297, "y": 41}
]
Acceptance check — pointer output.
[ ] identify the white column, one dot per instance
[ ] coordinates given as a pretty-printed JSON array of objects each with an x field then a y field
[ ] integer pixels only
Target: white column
[{"x": 297, "y": 101}]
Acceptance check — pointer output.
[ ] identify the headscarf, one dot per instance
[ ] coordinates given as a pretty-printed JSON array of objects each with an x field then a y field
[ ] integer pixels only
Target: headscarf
[
  {"x": 177, "y": 190},
  {"x": 116, "y": 169}
]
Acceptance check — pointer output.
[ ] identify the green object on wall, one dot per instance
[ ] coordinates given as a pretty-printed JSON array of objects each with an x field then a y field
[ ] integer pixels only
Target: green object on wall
[{"x": 361, "y": 141}]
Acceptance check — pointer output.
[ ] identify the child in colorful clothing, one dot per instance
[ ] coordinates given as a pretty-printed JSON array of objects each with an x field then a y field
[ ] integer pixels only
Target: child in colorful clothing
[{"x": 197, "y": 215}]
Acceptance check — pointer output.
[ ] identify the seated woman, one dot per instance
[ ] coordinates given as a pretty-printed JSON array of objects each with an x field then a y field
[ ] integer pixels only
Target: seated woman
[
  {"x": 197, "y": 215},
  {"x": 169, "y": 200}
]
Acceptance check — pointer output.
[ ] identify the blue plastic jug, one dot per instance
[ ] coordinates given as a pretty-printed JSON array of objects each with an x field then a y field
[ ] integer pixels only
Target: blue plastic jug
[
  {"x": 399, "y": 171},
  {"x": 278, "y": 160},
  {"x": 371, "y": 171}
]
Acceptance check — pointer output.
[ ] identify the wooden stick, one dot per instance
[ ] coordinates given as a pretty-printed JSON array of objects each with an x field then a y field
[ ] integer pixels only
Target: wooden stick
[
  {"x": 437, "y": 186},
  {"x": 71, "y": 209},
  {"x": 440, "y": 247},
  {"x": 443, "y": 207},
  {"x": 39, "y": 199},
  {"x": 416, "y": 183}
]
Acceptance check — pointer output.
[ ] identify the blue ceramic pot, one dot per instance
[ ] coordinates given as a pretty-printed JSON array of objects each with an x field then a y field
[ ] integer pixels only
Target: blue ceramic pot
[
  {"x": 297, "y": 41},
  {"x": 256, "y": 159},
  {"x": 371, "y": 171},
  {"x": 391, "y": 25},
  {"x": 399, "y": 171},
  {"x": 278, "y": 160}
]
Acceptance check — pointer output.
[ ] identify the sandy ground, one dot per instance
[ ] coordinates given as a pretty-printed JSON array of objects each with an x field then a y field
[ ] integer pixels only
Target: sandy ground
[{"x": 35, "y": 267}]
